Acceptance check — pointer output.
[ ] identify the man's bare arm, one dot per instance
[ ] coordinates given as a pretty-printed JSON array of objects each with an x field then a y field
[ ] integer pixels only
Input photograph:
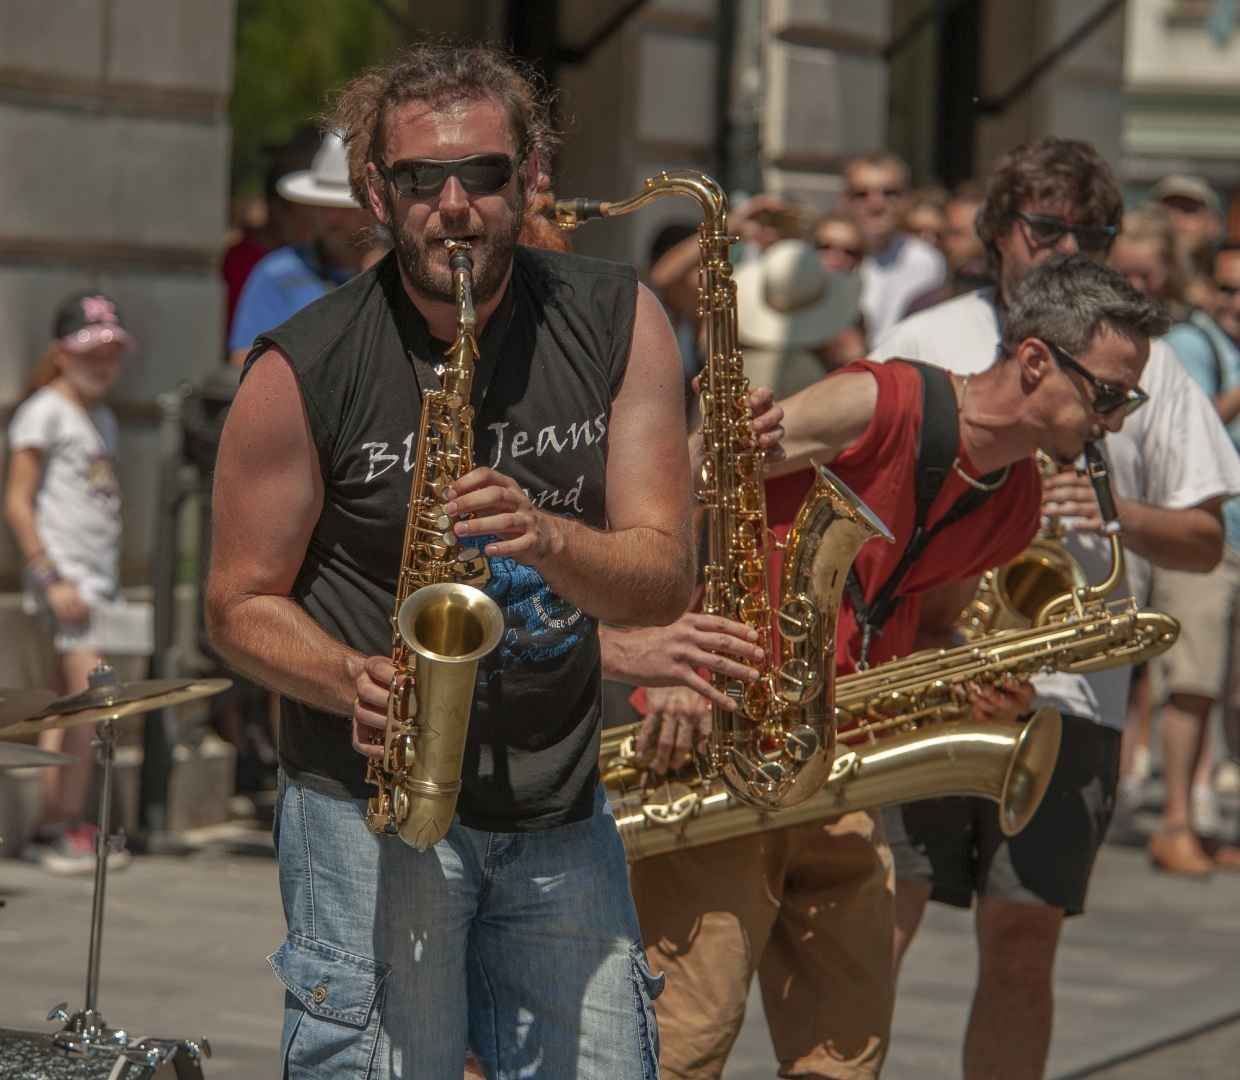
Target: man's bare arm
[
  {"x": 1186, "y": 539},
  {"x": 1189, "y": 539},
  {"x": 268, "y": 496},
  {"x": 825, "y": 419},
  {"x": 640, "y": 571}
]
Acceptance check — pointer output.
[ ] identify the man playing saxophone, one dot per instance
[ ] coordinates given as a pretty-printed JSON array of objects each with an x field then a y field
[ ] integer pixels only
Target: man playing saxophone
[
  {"x": 514, "y": 935},
  {"x": 810, "y": 907}
]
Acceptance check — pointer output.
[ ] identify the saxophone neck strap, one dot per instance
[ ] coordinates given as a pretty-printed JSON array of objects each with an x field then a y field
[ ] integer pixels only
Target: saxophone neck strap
[{"x": 937, "y": 448}]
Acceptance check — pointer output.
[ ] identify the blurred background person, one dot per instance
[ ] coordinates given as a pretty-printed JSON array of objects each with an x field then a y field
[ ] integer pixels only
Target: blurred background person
[
  {"x": 787, "y": 307},
  {"x": 841, "y": 246},
  {"x": 897, "y": 268},
  {"x": 1203, "y": 670},
  {"x": 63, "y": 505},
  {"x": 962, "y": 250},
  {"x": 1147, "y": 254},
  {"x": 1197, "y": 216},
  {"x": 288, "y": 279},
  {"x": 925, "y": 217},
  {"x": 673, "y": 275}
]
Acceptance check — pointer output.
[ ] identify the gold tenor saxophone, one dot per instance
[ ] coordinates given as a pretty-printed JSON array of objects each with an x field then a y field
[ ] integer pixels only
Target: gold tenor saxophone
[
  {"x": 776, "y": 750},
  {"x": 904, "y": 735},
  {"x": 443, "y": 624}
]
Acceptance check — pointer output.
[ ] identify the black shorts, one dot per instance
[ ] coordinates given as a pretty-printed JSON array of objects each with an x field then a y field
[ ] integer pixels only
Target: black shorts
[{"x": 954, "y": 844}]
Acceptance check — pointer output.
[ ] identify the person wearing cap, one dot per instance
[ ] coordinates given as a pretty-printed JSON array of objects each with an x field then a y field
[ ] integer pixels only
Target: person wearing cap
[
  {"x": 1197, "y": 216},
  {"x": 788, "y": 307},
  {"x": 63, "y": 505},
  {"x": 288, "y": 279}
]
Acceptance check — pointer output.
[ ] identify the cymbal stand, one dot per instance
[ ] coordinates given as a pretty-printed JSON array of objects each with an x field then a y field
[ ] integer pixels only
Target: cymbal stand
[{"x": 85, "y": 1030}]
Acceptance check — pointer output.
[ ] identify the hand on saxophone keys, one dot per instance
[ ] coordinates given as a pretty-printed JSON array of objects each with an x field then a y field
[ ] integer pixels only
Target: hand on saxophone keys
[
  {"x": 493, "y": 504},
  {"x": 1070, "y": 496},
  {"x": 768, "y": 422},
  {"x": 1002, "y": 702},
  {"x": 370, "y": 709},
  {"x": 678, "y": 722}
]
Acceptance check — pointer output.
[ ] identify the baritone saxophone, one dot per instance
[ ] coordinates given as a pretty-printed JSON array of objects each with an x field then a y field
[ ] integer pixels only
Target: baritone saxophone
[
  {"x": 443, "y": 622},
  {"x": 905, "y": 730},
  {"x": 776, "y": 750}
]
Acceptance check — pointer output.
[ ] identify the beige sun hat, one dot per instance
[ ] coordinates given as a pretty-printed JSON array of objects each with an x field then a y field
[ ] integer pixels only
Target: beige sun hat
[
  {"x": 785, "y": 299},
  {"x": 326, "y": 182}
]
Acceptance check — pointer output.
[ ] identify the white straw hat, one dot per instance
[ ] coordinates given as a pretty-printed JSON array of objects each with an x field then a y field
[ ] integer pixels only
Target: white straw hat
[
  {"x": 786, "y": 299},
  {"x": 326, "y": 182}
]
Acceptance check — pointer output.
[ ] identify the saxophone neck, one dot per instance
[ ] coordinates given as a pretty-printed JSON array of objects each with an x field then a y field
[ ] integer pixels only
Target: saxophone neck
[{"x": 464, "y": 349}]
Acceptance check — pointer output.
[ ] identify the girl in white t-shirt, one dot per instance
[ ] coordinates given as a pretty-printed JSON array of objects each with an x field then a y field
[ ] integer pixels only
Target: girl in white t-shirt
[{"x": 63, "y": 505}]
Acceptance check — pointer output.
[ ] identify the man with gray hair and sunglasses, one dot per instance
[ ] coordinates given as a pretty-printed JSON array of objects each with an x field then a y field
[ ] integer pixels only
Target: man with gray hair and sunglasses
[
  {"x": 514, "y": 934},
  {"x": 1172, "y": 466}
]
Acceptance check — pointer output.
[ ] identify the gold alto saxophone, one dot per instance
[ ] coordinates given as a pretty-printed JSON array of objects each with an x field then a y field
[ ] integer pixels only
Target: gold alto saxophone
[
  {"x": 904, "y": 733},
  {"x": 776, "y": 750},
  {"x": 443, "y": 624}
]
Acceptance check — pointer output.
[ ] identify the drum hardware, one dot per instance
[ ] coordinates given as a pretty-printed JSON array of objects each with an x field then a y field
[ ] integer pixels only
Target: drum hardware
[{"x": 85, "y": 1032}]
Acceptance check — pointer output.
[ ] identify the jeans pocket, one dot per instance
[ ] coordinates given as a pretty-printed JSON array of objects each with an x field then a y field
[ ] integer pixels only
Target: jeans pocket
[
  {"x": 341, "y": 998},
  {"x": 647, "y": 988}
]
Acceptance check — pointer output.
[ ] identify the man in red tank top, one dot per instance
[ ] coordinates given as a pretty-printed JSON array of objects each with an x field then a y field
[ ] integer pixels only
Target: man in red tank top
[{"x": 809, "y": 908}]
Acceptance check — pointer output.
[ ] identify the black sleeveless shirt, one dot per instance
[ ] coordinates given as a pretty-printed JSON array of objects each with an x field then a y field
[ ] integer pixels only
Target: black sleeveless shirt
[{"x": 552, "y": 358}]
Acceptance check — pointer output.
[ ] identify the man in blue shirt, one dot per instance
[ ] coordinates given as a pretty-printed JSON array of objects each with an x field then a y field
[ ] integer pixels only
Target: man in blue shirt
[{"x": 288, "y": 279}]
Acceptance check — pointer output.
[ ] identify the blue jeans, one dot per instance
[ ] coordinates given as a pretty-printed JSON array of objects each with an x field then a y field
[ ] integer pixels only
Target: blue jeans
[{"x": 523, "y": 946}]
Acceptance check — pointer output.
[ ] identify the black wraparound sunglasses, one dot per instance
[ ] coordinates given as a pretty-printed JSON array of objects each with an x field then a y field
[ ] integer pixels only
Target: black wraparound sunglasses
[
  {"x": 1048, "y": 231},
  {"x": 1108, "y": 397},
  {"x": 421, "y": 178}
]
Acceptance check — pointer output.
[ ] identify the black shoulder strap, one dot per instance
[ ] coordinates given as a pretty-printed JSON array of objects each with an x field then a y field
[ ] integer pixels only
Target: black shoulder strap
[{"x": 936, "y": 454}]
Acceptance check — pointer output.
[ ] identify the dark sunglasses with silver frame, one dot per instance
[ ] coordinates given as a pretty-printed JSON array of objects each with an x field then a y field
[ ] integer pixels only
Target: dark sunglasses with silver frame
[
  {"x": 422, "y": 178},
  {"x": 1048, "y": 231},
  {"x": 1108, "y": 397}
]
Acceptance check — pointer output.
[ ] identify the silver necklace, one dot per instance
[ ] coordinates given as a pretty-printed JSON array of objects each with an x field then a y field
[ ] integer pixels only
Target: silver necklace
[{"x": 977, "y": 485}]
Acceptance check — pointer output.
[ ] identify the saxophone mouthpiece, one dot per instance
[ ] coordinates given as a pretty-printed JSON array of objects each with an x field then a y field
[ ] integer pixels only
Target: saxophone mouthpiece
[
  {"x": 1100, "y": 477},
  {"x": 459, "y": 255},
  {"x": 572, "y": 212}
]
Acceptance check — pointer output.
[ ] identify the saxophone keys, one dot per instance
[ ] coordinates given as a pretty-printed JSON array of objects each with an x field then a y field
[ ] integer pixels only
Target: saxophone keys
[
  {"x": 768, "y": 779},
  {"x": 802, "y": 742},
  {"x": 797, "y": 681},
  {"x": 467, "y": 555},
  {"x": 797, "y": 618}
]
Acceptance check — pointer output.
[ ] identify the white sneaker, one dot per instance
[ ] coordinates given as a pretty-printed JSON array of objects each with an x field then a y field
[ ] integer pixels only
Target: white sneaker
[
  {"x": 1204, "y": 811},
  {"x": 1227, "y": 778}
]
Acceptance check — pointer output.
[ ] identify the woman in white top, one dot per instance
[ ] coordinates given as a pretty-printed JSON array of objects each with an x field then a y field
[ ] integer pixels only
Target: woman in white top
[{"x": 62, "y": 503}]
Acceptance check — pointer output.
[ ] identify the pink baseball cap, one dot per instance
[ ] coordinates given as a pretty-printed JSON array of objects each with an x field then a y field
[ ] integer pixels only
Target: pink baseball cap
[{"x": 87, "y": 320}]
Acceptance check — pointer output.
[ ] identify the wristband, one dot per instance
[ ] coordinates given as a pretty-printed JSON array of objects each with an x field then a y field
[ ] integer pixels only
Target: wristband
[{"x": 42, "y": 572}]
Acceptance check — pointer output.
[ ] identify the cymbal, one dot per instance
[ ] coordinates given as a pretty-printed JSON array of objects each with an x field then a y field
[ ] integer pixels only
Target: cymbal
[
  {"x": 18, "y": 705},
  {"x": 114, "y": 702},
  {"x": 118, "y": 693},
  {"x": 21, "y": 756}
]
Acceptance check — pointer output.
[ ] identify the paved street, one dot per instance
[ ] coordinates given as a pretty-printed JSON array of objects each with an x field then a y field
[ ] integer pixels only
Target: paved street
[{"x": 185, "y": 939}]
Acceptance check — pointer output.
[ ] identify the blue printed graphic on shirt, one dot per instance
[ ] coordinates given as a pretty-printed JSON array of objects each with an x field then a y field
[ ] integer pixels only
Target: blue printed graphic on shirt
[{"x": 540, "y": 625}]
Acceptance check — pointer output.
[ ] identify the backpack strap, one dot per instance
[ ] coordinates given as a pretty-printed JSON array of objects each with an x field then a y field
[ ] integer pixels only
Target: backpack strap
[{"x": 936, "y": 455}]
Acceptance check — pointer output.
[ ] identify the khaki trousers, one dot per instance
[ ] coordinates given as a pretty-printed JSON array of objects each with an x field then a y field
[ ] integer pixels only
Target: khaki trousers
[{"x": 809, "y": 908}]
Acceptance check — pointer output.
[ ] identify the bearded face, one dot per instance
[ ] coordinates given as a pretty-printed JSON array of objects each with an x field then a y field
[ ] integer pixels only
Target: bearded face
[{"x": 424, "y": 257}]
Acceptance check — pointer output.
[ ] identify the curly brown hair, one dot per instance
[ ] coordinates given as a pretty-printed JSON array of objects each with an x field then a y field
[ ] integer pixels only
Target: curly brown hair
[
  {"x": 439, "y": 75},
  {"x": 1044, "y": 170}
]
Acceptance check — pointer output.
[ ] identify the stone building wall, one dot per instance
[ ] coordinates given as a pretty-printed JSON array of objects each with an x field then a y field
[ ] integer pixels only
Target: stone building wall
[{"x": 113, "y": 116}]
